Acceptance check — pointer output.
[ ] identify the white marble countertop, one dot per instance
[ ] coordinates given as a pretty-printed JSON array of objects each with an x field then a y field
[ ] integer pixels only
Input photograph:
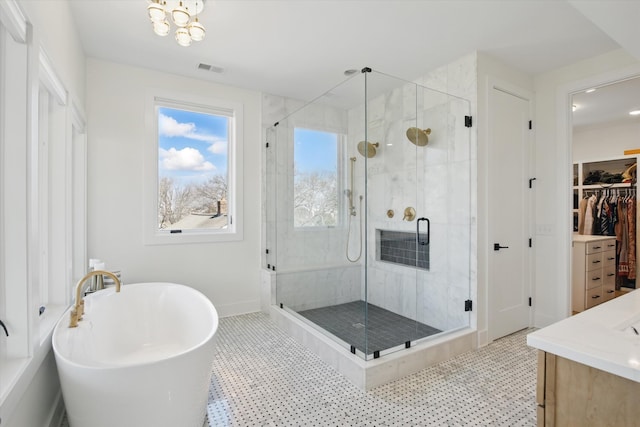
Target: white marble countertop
[{"x": 601, "y": 337}]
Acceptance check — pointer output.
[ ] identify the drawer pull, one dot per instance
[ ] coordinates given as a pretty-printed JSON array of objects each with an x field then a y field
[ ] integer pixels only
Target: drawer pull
[
  {"x": 611, "y": 246},
  {"x": 595, "y": 262},
  {"x": 611, "y": 274},
  {"x": 611, "y": 259},
  {"x": 595, "y": 296},
  {"x": 595, "y": 278},
  {"x": 610, "y": 291},
  {"x": 597, "y": 247}
]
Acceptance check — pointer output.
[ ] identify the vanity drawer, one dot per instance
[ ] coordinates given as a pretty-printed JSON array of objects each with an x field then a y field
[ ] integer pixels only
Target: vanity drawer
[
  {"x": 593, "y": 261},
  {"x": 593, "y": 297},
  {"x": 609, "y": 276},
  {"x": 596, "y": 247},
  {"x": 609, "y": 245},
  {"x": 609, "y": 258},
  {"x": 608, "y": 291},
  {"x": 594, "y": 278}
]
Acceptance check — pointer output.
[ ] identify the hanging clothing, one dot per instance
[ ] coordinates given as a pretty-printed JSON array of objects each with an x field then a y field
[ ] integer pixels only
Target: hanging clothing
[
  {"x": 589, "y": 215},
  {"x": 613, "y": 205},
  {"x": 604, "y": 217},
  {"x": 582, "y": 209},
  {"x": 623, "y": 262},
  {"x": 631, "y": 221}
]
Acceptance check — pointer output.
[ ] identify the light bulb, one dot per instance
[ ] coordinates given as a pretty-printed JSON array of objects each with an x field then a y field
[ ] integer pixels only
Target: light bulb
[
  {"x": 161, "y": 28},
  {"x": 196, "y": 31},
  {"x": 156, "y": 12},
  {"x": 182, "y": 37},
  {"x": 180, "y": 16}
]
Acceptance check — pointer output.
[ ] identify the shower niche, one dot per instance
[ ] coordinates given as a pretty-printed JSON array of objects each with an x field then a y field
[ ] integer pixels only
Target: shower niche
[{"x": 368, "y": 219}]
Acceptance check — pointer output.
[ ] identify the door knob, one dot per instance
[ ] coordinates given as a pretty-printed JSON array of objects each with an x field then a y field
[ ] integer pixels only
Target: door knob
[{"x": 497, "y": 247}]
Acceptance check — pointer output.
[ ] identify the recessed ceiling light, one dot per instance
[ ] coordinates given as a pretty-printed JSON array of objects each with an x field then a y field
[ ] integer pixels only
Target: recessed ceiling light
[
  {"x": 593, "y": 89},
  {"x": 634, "y": 112}
]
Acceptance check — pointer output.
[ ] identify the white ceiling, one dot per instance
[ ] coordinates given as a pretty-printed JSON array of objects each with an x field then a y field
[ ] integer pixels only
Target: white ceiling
[
  {"x": 300, "y": 48},
  {"x": 607, "y": 104}
]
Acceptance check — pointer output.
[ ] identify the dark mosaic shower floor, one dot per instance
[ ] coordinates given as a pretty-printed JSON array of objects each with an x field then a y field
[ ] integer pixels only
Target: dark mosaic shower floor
[{"x": 386, "y": 329}]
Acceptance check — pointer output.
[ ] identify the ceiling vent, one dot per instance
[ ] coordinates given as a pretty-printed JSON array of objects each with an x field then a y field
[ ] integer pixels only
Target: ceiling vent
[{"x": 212, "y": 68}]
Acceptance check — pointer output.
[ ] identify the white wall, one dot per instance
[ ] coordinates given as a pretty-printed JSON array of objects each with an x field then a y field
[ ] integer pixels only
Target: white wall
[
  {"x": 227, "y": 273},
  {"x": 35, "y": 398},
  {"x": 54, "y": 30},
  {"x": 605, "y": 141},
  {"x": 554, "y": 175}
]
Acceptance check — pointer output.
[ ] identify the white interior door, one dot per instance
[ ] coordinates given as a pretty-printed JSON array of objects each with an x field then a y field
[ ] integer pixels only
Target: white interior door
[{"x": 509, "y": 212}]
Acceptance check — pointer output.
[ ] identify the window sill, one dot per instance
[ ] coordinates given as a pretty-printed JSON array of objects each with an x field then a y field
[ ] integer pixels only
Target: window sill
[
  {"x": 48, "y": 321},
  {"x": 17, "y": 373},
  {"x": 153, "y": 238}
]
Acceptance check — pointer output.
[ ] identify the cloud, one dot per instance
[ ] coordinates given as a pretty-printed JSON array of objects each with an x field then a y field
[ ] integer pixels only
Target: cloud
[
  {"x": 170, "y": 127},
  {"x": 218, "y": 147},
  {"x": 187, "y": 159}
]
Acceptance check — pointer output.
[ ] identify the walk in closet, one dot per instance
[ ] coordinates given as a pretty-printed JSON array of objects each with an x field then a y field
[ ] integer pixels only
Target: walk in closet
[{"x": 604, "y": 252}]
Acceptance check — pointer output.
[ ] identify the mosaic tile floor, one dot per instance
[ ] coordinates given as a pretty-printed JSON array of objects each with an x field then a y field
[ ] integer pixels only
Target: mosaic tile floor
[
  {"x": 262, "y": 377},
  {"x": 385, "y": 328}
]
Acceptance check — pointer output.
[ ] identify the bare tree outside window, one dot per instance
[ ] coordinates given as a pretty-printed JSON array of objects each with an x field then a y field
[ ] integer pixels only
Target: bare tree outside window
[
  {"x": 315, "y": 180},
  {"x": 192, "y": 170}
]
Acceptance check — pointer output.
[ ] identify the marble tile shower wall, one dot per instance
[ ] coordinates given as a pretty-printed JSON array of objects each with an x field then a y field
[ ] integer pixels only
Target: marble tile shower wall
[{"x": 437, "y": 180}]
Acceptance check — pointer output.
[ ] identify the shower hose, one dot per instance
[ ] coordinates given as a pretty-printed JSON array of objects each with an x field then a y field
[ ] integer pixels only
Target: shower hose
[{"x": 349, "y": 235}]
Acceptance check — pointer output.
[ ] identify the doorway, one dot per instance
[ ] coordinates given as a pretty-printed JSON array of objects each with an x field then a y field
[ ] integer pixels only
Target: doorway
[{"x": 603, "y": 134}]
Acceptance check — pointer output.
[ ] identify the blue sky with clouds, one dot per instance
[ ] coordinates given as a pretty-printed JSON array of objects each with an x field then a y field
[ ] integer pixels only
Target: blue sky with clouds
[
  {"x": 192, "y": 146},
  {"x": 315, "y": 151}
]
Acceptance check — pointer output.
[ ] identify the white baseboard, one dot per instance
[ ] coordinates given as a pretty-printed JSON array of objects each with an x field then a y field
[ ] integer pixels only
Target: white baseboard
[
  {"x": 483, "y": 338},
  {"x": 242, "y": 307},
  {"x": 57, "y": 412}
]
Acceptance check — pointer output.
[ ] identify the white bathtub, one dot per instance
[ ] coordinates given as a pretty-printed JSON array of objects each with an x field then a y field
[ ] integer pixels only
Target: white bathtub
[{"x": 140, "y": 357}]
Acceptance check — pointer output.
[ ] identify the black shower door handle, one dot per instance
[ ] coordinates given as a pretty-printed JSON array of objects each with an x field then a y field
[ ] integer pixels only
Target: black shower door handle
[
  {"x": 497, "y": 247},
  {"x": 428, "y": 231}
]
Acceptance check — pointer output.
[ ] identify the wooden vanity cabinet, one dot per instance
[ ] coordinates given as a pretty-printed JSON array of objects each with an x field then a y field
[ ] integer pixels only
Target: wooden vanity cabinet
[{"x": 569, "y": 393}]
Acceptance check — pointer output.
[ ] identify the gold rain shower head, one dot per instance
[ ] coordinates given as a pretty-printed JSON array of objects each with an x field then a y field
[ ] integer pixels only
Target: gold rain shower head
[
  {"x": 367, "y": 149},
  {"x": 419, "y": 137}
]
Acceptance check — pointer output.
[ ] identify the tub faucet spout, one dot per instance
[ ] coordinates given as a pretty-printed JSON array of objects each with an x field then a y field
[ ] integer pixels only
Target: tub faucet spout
[{"x": 78, "y": 309}]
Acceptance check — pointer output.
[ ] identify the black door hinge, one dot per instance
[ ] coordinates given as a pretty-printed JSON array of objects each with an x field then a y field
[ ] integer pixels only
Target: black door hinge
[
  {"x": 530, "y": 125},
  {"x": 267, "y": 145},
  {"x": 530, "y": 242},
  {"x": 468, "y": 305},
  {"x": 529, "y": 301},
  {"x": 468, "y": 121},
  {"x": 531, "y": 181}
]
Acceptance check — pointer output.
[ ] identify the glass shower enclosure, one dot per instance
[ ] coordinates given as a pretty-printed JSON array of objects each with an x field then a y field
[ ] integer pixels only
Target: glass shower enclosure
[{"x": 367, "y": 204}]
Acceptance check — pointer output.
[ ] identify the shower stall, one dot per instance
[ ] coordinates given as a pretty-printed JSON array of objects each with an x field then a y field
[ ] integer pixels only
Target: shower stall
[{"x": 368, "y": 213}]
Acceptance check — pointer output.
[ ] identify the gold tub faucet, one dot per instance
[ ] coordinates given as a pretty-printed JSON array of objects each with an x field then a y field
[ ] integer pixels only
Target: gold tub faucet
[{"x": 78, "y": 309}]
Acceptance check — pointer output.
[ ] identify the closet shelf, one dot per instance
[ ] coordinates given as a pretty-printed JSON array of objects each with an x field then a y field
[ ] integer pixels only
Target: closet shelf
[{"x": 605, "y": 186}]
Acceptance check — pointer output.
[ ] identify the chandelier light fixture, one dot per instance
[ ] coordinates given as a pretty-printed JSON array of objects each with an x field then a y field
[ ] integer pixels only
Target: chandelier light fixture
[{"x": 183, "y": 13}]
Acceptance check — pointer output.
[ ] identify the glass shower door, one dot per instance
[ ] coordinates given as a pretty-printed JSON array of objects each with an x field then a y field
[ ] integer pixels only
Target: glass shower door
[{"x": 418, "y": 214}]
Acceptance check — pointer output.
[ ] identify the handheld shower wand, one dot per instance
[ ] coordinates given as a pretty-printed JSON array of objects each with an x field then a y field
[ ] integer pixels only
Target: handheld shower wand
[
  {"x": 352, "y": 208},
  {"x": 352, "y": 212}
]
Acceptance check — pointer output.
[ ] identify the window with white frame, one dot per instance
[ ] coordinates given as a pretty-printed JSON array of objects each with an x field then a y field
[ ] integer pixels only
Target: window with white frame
[
  {"x": 315, "y": 178},
  {"x": 193, "y": 165}
]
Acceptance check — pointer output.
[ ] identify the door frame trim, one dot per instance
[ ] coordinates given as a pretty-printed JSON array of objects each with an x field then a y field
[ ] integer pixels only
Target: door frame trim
[{"x": 564, "y": 166}]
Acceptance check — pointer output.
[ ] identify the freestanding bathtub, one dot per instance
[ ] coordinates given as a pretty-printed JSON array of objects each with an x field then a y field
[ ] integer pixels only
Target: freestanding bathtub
[{"x": 139, "y": 357}]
